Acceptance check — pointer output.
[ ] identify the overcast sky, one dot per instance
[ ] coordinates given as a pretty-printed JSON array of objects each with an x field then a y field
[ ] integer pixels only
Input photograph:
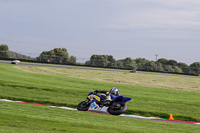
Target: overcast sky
[{"x": 122, "y": 28}]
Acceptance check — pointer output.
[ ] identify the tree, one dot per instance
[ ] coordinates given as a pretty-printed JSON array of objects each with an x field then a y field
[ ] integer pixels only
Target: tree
[
  {"x": 195, "y": 68},
  {"x": 141, "y": 63},
  {"x": 101, "y": 61},
  {"x": 72, "y": 60},
  {"x": 163, "y": 61},
  {"x": 129, "y": 63},
  {"x": 61, "y": 54},
  {"x": 141, "y": 60},
  {"x": 177, "y": 69},
  {"x": 47, "y": 56},
  {"x": 182, "y": 65},
  {"x": 172, "y": 63},
  {"x": 169, "y": 68},
  {"x": 4, "y": 47},
  {"x": 98, "y": 60},
  {"x": 4, "y": 51},
  {"x": 19, "y": 56},
  {"x": 57, "y": 55},
  {"x": 88, "y": 63},
  {"x": 195, "y": 64},
  {"x": 119, "y": 64},
  {"x": 159, "y": 67},
  {"x": 151, "y": 65},
  {"x": 112, "y": 62}
]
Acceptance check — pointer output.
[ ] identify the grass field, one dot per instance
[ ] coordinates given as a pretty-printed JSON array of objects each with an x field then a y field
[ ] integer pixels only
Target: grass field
[
  {"x": 159, "y": 81},
  {"x": 153, "y": 95},
  {"x": 18, "y": 118}
]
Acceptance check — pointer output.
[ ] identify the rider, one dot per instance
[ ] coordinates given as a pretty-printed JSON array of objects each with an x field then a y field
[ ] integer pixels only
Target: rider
[
  {"x": 109, "y": 94},
  {"x": 114, "y": 93}
]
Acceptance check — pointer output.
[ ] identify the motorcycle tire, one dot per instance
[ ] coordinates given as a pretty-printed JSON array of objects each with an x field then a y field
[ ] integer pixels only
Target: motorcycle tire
[
  {"x": 83, "y": 106},
  {"x": 119, "y": 111}
]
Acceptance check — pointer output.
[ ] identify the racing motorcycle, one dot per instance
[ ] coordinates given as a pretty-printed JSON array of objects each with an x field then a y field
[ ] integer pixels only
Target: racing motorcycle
[{"x": 101, "y": 103}]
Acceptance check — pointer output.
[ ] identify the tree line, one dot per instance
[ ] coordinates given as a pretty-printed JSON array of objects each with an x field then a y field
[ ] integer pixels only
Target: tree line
[
  {"x": 6, "y": 53},
  {"x": 61, "y": 56},
  {"x": 161, "y": 65},
  {"x": 56, "y": 55}
]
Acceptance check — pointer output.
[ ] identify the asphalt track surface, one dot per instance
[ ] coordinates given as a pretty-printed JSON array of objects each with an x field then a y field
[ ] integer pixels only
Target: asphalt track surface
[
  {"x": 122, "y": 115},
  {"x": 90, "y": 68}
]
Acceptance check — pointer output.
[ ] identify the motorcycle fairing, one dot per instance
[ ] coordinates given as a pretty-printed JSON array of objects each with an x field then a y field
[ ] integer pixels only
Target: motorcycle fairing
[
  {"x": 92, "y": 96},
  {"x": 95, "y": 107},
  {"x": 121, "y": 99}
]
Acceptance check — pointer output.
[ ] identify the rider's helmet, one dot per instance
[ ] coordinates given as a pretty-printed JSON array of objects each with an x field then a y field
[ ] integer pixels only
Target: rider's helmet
[{"x": 114, "y": 91}]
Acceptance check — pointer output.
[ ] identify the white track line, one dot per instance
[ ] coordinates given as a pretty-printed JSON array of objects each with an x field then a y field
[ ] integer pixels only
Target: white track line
[
  {"x": 6, "y": 100},
  {"x": 67, "y": 108},
  {"x": 138, "y": 117}
]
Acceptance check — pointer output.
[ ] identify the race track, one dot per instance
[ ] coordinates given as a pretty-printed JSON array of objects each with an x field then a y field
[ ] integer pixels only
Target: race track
[
  {"x": 122, "y": 115},
  {"x": 99, "y": 69}
]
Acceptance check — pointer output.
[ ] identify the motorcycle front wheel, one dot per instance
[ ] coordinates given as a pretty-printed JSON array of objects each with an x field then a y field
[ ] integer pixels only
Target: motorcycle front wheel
[
  {"x": 83, "y": 106},
  {"x": 117, "y": 108}
]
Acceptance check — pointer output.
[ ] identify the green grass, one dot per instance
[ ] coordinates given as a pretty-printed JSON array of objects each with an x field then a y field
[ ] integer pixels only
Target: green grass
[
  {"x": 17, "y": 117},
  {"x": 68, "y": 87},
  {"x": 187, "y": 83}
]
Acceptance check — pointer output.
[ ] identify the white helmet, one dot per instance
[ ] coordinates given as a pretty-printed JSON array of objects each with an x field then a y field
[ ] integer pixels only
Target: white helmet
[{"x": 114, "y": 91}]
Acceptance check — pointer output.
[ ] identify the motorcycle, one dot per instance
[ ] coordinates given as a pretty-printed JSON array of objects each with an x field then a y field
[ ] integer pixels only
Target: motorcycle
[{"x": 101, "y": 103}]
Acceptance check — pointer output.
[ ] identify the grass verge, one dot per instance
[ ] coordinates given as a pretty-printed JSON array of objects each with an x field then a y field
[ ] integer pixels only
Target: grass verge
[{"x": 31, "y": 118}]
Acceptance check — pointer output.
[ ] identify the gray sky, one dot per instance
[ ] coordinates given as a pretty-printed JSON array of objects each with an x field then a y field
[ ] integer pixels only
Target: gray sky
[{"x": 122, "y": 28}]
